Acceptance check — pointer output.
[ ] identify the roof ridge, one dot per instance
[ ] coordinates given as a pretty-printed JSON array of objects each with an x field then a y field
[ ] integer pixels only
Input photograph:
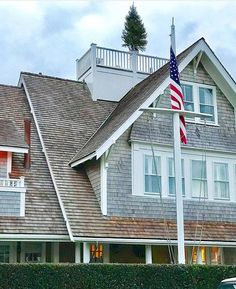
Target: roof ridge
[{"x": 49, "y": 76}]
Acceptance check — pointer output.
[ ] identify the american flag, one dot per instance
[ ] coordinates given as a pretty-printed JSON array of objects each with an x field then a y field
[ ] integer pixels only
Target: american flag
[{"x": 176, "y": 95}]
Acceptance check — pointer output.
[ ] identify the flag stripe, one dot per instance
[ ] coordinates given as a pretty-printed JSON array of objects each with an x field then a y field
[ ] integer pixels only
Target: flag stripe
[{"x": 176, "y": 95}]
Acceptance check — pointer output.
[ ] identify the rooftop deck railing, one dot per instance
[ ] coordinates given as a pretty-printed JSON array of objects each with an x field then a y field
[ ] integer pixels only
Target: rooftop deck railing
[
  {"x": 118, "y": 59},
  {"x": 12, "y": 183}
]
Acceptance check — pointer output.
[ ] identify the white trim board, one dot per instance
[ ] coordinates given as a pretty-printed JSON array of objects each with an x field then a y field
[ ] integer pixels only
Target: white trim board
[
  {"x": 152, "y": 241},
  {"x": 22, "y": 81},
  {"x": 13, "y": 149},
  {"x": 33, "y": 237}
]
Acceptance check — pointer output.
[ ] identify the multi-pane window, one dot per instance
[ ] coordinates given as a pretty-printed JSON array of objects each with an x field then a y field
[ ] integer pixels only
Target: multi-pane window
[
  {"x": 152, "y": 171},
  {"x": 200, "y": 98},
  {"x": 4, "y": 253},
  {"x": 172, "y": 177},
  {"x": 96, "y": 253},
  {"x": 188, "y": 97},
  {"x": 221, "y": 181},
  {"x": 206, "y": 102},
  {"x": 199, "y": 179}
]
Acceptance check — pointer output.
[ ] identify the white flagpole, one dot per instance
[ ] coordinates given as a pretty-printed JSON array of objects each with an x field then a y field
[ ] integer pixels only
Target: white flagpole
[{"x": 178, "y": 171}]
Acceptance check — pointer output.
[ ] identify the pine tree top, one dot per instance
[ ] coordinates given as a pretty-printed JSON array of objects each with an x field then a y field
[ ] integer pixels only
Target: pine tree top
[{"x": 134, "y": 34}]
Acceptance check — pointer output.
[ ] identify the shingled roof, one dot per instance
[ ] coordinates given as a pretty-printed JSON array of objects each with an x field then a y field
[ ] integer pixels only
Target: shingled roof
[
  {"x": 127, "y": 106},
  {"x": 10, "y": 136},
  {"x": 67, "y": 117},
  {"x": 43, "y": 215}
]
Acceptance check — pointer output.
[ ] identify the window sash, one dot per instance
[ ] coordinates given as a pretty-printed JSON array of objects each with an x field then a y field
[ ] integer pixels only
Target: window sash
[
  {"x": 171, "y": 177},
  {"x": 221, "y": 181},
  {"x": 152, "y": 174},
  {"x": 199, "y": 179}
]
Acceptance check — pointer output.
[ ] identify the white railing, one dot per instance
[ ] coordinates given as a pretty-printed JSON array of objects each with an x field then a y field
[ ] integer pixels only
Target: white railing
[
  {"x": 113, "y": 58},
  {"x": 149, "y": 64},
  {"x": 130, "y": 61},
  {"x": 84, "y": 63},
  {"x": 12, "y": 183}
]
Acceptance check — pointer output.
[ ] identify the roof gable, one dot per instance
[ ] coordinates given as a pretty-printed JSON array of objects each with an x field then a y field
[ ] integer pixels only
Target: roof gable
[{"x": 145, "y": 92}]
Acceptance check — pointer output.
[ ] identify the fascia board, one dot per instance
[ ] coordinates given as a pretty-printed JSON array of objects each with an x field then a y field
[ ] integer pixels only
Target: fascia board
[
  {"x": 83, "y": 160},
  {"x": 14, "y": 149},
  {"x": 34, "y": 237},
  {"x": 105, "y": 146},
  {"x": 152, "y": 241}
]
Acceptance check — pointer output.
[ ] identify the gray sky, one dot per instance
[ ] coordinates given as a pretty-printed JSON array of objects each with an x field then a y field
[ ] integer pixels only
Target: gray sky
[{"x": 47, "y": 36}]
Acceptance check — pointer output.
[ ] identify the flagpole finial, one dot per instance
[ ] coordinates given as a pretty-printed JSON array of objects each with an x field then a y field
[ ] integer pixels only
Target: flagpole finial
[
  {"x": 172, "y": 36},
  {"x": 173, "y": 20}
]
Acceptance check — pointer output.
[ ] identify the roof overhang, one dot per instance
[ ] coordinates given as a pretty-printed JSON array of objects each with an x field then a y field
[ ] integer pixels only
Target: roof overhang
[{"x": 14, "y": 149}]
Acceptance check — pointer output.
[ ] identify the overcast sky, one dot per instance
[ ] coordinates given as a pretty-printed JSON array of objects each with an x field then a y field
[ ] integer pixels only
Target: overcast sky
[{"x": 48, "y": 36}]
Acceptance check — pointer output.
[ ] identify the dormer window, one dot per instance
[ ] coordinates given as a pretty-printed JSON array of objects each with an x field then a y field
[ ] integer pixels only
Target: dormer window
[{"x": 200, "y": 98}]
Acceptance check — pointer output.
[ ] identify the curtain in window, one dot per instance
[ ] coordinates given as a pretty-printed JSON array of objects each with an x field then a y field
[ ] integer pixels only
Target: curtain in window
[{"x": 206, "y": 102}]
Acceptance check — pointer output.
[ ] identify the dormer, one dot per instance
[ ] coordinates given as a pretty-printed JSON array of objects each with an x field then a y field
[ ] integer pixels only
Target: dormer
[
  {"x": 111, "y": 73},
  {"x": 12, "y": 189}
]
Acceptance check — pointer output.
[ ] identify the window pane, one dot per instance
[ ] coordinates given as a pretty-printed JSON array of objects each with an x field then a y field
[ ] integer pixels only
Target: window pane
[
  {"x": 206, "y": 102},
  {"x": 221, "y": 180},
  {"x": 206, "y": 96},
  {"x": 199, "y": 179},
  {"x": 188, "y": 97},
  {"x": 198, "y": 169},
  {"x": 152, "y": 184},
  {"x": 172, "y": 176}
]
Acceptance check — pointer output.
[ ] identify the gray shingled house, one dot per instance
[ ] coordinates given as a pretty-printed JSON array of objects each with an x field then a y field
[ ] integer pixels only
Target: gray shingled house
[{"x": 77, "y": 182}]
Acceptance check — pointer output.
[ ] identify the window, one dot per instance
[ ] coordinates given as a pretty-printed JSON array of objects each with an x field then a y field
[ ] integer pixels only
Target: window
[
  {"x": 188, "y": 97},
  {"x": 4, "y": 253},
  {"x": 33, "y": 253},
  {"x": 152, "y": 174},
  {"x": 215, "y": 255},
  {"x": 199, "y": 255},
  {"x": 96, "y": 253},
  {"x": 200, "y": 98},
  {"x": 206, "y": 102},
  {"x": 199, "y": 179},
  {"x": 221, "y": 181},
  {"x": 172, "y": 177}
]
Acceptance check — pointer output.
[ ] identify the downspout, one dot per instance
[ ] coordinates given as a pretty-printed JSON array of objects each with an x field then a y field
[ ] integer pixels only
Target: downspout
[{"x": 47, "y": 160}]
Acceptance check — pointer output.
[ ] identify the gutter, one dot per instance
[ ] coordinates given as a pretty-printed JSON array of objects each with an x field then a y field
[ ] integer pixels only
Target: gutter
[{"x": 22, "y": 81}]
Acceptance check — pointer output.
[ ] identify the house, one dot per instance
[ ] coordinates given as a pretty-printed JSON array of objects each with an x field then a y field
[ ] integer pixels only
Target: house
[{"x": 86, "y": 176}]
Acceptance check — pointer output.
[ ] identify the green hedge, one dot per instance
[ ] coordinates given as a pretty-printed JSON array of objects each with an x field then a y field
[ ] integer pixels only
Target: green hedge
[{"x": 110, "y": 276}]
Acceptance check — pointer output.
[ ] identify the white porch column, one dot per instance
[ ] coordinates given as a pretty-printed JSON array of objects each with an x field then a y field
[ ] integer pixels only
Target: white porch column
[
  {"x": 77, "y": 253},
  {"x": 106, "y": 253},
  {"x": 86, "y": 252},
  {"x": 55, "y": 252},
  {"x": 148, "y": 254}
]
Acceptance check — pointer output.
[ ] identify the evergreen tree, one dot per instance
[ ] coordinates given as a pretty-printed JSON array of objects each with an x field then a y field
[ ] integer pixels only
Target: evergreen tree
[{"x": 134, "y": 34}]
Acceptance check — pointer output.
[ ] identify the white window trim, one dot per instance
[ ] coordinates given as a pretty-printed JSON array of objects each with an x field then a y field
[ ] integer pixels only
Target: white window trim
[
  {"x": 195, "y": 89},
  {"x": 140, "y": 149}
]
